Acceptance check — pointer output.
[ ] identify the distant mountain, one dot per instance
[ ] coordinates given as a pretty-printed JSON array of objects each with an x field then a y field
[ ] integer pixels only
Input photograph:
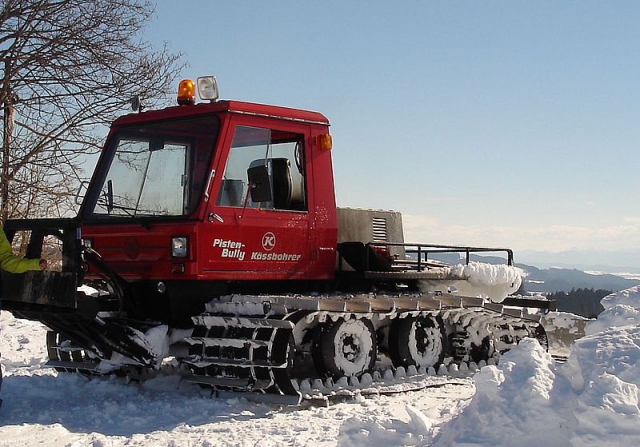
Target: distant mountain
[
  {"x": 557, "y": 279},
  {"x": 553, "y": 279},
  {"x": 589, "y": 260}
]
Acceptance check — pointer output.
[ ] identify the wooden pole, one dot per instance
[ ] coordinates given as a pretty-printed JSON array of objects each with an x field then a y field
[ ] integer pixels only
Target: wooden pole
[{"x": 8, "y": 124}]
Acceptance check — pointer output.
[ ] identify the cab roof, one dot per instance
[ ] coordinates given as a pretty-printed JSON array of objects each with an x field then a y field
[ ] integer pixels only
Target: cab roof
[{"x": 240, "y": 107}]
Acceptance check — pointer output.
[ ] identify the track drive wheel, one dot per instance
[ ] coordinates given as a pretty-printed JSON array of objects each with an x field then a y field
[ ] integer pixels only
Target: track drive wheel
[
  {"x": 345, "y": 348},
  {"x": 283, "y": 352},
  {"x": 417, "y": 341}
]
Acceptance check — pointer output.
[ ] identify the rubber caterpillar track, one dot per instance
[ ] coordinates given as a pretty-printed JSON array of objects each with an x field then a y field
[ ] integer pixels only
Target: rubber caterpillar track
[
  {"x": 282, "y": 345},
  {"x": 312, "y": 392},
  {"x": 269, "y": 343}
]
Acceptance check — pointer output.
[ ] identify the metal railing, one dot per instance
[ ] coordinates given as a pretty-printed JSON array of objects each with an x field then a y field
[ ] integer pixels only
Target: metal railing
[{"x": 422, "y": 252}]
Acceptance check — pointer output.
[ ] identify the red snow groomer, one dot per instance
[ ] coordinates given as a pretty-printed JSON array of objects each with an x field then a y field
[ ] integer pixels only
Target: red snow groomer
[{"x": 209, "y": 234}]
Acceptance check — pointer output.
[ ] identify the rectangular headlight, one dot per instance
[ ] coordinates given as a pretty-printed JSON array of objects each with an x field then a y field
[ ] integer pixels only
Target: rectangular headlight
[{"x": 180, "y": 246}]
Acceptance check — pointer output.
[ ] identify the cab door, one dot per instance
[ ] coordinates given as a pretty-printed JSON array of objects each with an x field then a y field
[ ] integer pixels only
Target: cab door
[{"x": 259, "y": 223}]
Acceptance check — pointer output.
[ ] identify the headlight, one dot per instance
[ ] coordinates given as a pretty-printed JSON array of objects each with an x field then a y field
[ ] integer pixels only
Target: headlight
[{"x": 180, "y": 246}]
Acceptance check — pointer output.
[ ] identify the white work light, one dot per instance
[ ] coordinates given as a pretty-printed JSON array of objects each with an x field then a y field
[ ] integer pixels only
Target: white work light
[
  {"x": 208, "y": 88},
  {"x": 180, "y": 247}
]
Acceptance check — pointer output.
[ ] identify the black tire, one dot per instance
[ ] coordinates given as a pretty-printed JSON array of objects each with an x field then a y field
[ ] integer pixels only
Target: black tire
[
  {"x": 418, "y": 341},
  {"x": 345, "y": 348}
]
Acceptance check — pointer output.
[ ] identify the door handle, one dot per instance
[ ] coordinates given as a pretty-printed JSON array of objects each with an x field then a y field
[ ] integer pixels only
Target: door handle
[
  {"x": 214, "y": 216},
  {"x": 212, "y": 174}
]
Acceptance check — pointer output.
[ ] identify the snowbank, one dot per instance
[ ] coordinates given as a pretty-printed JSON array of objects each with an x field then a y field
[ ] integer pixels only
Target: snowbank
[
  {"x": 591, "y": 400},
  {"x": 515, "y": 404}
]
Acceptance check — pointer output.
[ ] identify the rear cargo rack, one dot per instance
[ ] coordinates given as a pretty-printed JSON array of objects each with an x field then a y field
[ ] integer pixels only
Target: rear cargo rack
[
  {"x": 422, "y": 252},
  {"x": 394, "y": 257}
]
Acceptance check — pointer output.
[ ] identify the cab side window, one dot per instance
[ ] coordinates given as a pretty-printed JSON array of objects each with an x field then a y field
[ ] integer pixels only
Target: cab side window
[{"x": 280, "y": 155}]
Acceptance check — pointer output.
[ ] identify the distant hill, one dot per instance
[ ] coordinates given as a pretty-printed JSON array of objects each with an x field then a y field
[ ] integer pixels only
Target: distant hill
[
  {"x": 586, "y": 260},
  {"x": 557, "y": 279},
  {"x": 553, "y": 279}
]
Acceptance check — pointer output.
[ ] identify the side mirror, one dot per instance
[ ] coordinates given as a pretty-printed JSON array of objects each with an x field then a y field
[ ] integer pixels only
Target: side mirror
[
  {"x": 156, "y": 144},
  {"x": 259, "y": 185},
  {"x": 82, "y": 190}
]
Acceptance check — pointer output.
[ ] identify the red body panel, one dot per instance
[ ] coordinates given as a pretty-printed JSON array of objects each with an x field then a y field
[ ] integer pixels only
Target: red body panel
[{"x": 227, "y": 242}]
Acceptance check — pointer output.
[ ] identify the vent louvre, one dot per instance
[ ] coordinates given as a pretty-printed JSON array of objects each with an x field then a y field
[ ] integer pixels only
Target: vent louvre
[{"x": 379, "y": 227}]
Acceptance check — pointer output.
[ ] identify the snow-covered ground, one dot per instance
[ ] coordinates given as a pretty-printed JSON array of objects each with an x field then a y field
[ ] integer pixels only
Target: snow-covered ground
[
  {"x": 527, "y": 400},
  {"x": 42, "y": 407}
]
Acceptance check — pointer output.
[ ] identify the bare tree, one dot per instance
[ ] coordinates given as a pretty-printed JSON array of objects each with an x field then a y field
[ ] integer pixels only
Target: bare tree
[{"x": 68, "y": 67}]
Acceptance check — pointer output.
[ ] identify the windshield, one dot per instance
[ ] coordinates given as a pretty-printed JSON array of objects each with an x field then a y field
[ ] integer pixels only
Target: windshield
[{"x": 154, "y": 170}]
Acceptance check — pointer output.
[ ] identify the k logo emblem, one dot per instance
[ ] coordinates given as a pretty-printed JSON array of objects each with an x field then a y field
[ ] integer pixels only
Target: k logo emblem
[{"x": 268, "y": 241}]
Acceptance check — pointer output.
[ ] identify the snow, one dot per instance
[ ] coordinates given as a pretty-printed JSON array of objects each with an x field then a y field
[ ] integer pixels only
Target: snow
[
  {"x": 528, "y": 399},
  {"x": 495, "y": 282}
]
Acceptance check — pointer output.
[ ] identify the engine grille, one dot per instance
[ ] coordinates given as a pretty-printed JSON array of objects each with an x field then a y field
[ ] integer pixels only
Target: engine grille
[{"x": 379, "y": 227}]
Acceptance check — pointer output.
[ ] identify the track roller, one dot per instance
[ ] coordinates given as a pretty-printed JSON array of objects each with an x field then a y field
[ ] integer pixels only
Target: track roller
[
  {"x": 345, "y": 348},
  {"x": 417, "y": 341},
  {"x": 472, "y": 343}
]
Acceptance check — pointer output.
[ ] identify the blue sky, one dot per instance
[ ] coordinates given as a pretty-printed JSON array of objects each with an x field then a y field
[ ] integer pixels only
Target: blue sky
[{"x": 503, "y": 123}]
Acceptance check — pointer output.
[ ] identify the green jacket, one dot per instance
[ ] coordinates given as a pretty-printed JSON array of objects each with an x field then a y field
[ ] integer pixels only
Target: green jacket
[{"x": 12, "y": 263}]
